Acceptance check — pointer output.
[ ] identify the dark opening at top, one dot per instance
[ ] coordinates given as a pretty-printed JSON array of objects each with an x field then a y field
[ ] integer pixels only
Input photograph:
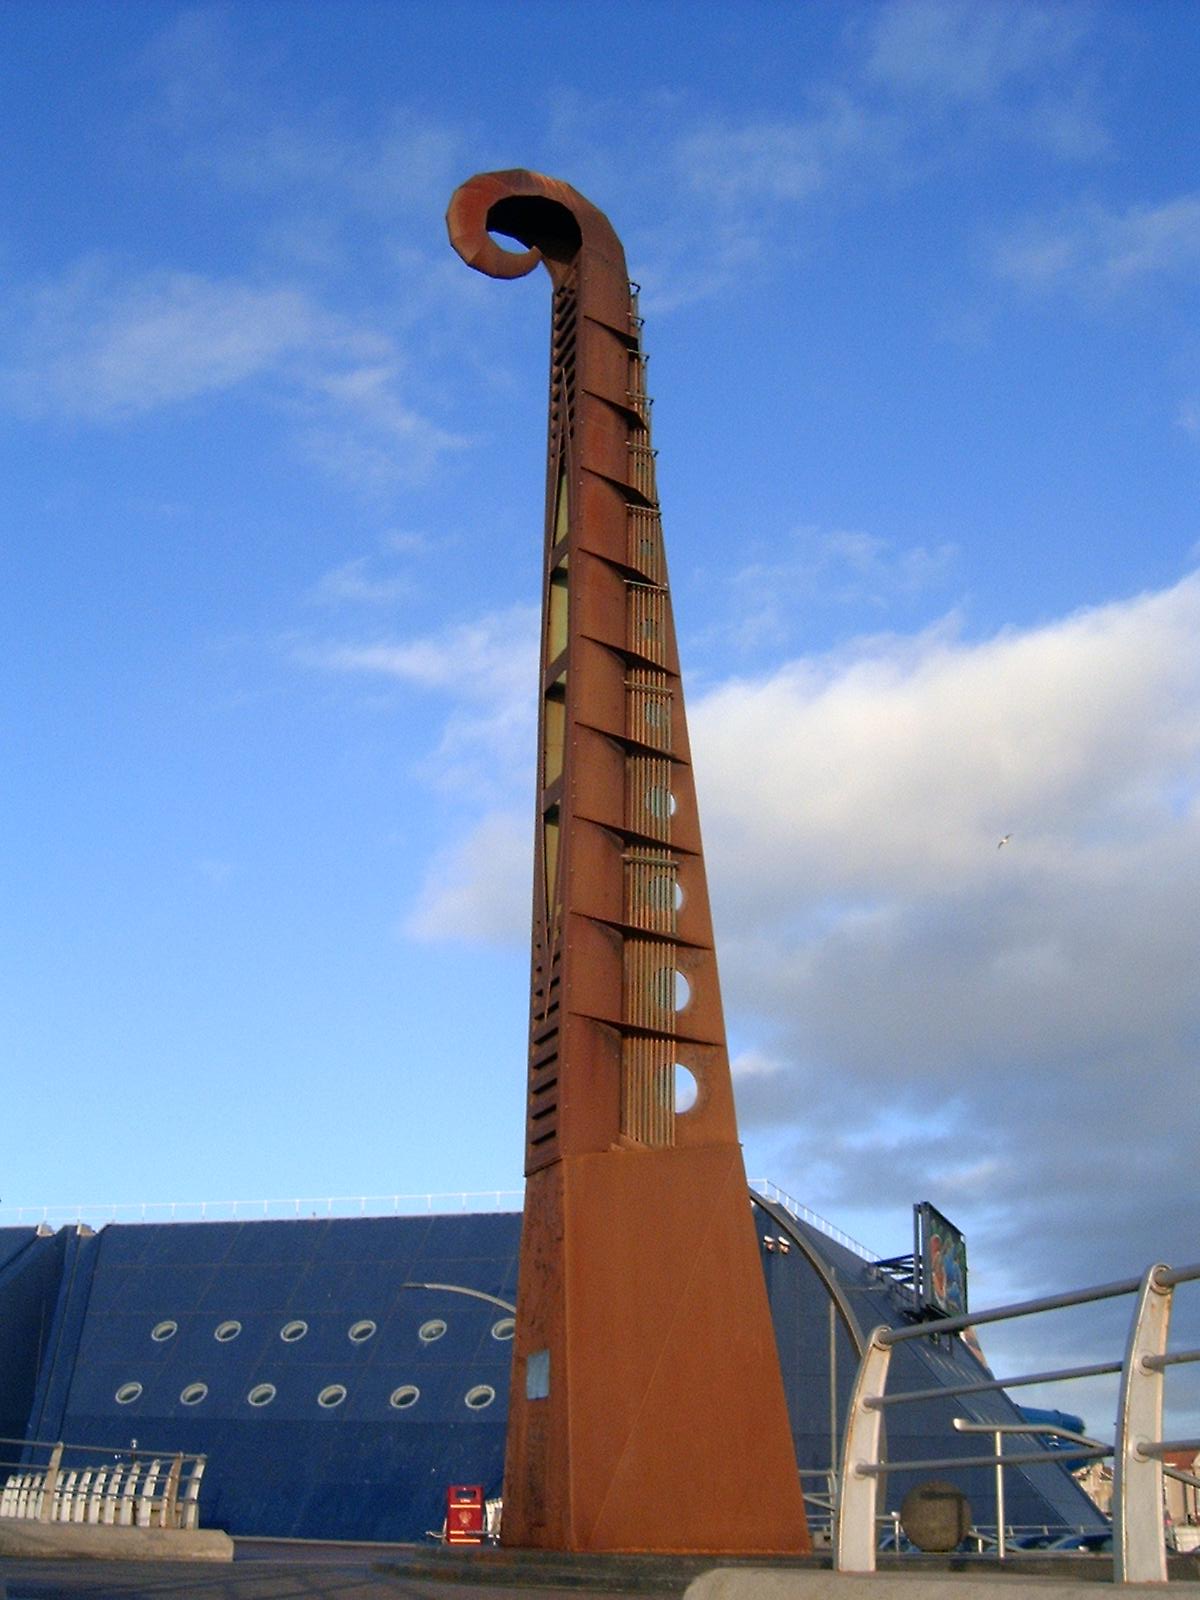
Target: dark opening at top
[{"x": 536, "y": 221}]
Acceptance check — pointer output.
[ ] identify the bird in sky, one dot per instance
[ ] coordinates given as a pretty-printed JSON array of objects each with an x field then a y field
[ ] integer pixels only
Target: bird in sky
[{"x": 1004, "y": 841}]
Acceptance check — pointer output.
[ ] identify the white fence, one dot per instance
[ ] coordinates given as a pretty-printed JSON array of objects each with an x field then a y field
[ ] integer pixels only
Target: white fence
[
  {"x": 90, "y": 1484},
  {"x": 1139, "y": 1542},
  {"x": 96, "y": 1214},
  {"x": 772, "y": 1191}
]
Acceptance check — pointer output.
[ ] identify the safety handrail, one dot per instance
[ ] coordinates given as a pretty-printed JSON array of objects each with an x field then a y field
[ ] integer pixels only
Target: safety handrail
[
  {"x": 127, "y": 1487},
  {"x": 1139, "y": 1546}
]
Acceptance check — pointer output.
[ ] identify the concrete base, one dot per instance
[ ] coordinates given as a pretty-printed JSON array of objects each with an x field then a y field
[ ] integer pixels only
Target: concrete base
[
  {"x": 22, "y": 1538},
  {"x": 749, "y": 1583}
]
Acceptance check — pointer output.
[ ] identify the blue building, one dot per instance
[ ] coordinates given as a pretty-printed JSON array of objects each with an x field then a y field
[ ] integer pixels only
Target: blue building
[{"x": 339, "y": 1373}]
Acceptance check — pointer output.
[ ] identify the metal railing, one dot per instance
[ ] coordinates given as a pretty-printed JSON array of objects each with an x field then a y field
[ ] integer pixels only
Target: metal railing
[
  {"x": 368, "y": 1205},
  {"x": 93, "y": 1484},
  {"x": 1139, "y": 1544},
  {"x": 820, "y": 1502},
  {"x": 803, "y": 1213},
  {"x": 97, "y": 1213}
]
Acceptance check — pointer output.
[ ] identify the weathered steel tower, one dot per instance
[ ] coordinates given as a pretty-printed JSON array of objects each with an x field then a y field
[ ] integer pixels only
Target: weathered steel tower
[{"x": 647, "y": 1408}]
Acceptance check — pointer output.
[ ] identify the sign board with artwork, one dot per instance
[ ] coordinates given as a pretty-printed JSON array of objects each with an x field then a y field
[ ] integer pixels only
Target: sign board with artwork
[{"x": 941, "y": 1256}]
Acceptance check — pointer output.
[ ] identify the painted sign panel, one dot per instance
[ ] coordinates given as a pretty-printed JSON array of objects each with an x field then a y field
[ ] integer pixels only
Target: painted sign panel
[{"x": 942, "y": 1252}]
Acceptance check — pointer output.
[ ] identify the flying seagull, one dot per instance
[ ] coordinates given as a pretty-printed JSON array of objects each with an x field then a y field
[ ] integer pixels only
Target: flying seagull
[{"x": 1004, "y": 841}]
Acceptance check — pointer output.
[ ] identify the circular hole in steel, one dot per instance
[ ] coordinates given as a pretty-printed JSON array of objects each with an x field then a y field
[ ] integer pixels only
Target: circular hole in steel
[
  {"x": 686, "y": 1089},
  {"x": 262, "y": 1394},
  {"x": 671, "y": 989},
  {"x": 360, "y": 1332},
  {"x": 164, "y": 1330},
  {"x": 504, "y": 1329},
  {"x": 226, "y": 1331},
  {"x": 291, "y": 1331},
  {"x": 128, "y": 1393},
  {"x": 660, "y": 892},
  {"x": 431, "y": 1330},
  {"x": 332, "y": 1395},
  {"x": 193, "y": 1393},
  {"x": 480, "y": 1396},
  {"x": 660, "y": 802},
  {"x": 406, "y": 1395}
]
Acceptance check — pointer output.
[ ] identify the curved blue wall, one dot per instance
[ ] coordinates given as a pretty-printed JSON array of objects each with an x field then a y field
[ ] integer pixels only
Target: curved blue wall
[{"x": 364, "y": 1468}]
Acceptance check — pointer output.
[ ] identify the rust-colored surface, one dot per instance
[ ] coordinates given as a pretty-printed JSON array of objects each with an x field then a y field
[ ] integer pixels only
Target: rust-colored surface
[{"x": 647, "y": 1408}]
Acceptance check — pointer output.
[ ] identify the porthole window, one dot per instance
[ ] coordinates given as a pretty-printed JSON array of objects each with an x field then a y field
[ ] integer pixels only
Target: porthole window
[
  {"x": 128, "y": 1393},
  {"x": 193, "y": 1394},
  {"x": 332, "y": 1396},
  {"x": 431, "y": 1330},
  {"x": 262, "y": 1394},
  {"x": 504, "y": 1329},
  {"x": 360, "y": 1332},
  {"x": 163, "y": 1330},
  {"x": 406, "y": 1395},
  {"x": 481, "y": 1395},
  {"x": 224, "y": 1331},
  {"x": 291, "y": 1331}
]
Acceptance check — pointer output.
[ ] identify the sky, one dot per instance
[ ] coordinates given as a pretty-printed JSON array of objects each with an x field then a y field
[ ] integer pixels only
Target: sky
[{"x": 921, "y": 285}]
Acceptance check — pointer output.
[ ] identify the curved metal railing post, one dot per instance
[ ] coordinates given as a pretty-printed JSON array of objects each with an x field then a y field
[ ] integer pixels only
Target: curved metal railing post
[
  {"x": 191, "y": 1497},
  {"x": 1139, "y": 1548},
  {"x": 50, "y": 1484},
  {"x": 858, "y": 1488},
  {"x": 168, "y": 1516}
]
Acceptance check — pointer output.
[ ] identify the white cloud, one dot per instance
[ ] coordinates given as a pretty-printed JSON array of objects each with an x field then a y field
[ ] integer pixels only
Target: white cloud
[
  {"x": 969, "y": 52},
  {"x": 840, "y": 567},
  {"x": 1018, "y": 73},
  {"x": 210, "y": 92},
  {"x": 895, "y": 763},
  {"x": 479, "y": 677},
  {"x": 1099, "y": 250},
  {"x": 366, "y": 434},
  {"x": 484, "y": 673},
  {"x": 747, "y": 163},
  {"x": 101, "y": 347},
  {"x": 996, "y": 1028},
  {"x": 193, "y": 61},
  {"x": 358, "y": 582},
  {"x": 926, "y": 83},
  {"x": 408, "y": 162},
  {"x": 480, "y": 890},
  {"x": 486, "y": 660}
]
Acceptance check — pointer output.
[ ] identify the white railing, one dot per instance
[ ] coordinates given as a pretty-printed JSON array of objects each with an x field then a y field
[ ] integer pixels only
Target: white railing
[
  {"x": 92, "y": 1484},
  {"x": 97, "y": 1213},
  {"x": 368, "y": 1205},
  {"x": 1139, "y": 1544},
  {"x": 803, "y": 1213}
]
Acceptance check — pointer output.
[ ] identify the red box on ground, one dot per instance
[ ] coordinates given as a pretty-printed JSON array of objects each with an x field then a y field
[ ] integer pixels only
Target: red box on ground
[{"x": 464, "y": 1513}]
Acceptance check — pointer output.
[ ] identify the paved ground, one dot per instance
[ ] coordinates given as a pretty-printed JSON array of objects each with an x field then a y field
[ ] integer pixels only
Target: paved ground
[
  {"x": 339, "y": 1579},
  {"x": 274, "y": 1570}
]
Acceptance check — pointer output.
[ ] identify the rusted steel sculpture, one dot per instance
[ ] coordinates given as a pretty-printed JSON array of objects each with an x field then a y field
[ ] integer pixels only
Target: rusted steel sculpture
[{"x": 647, "y": 1408}]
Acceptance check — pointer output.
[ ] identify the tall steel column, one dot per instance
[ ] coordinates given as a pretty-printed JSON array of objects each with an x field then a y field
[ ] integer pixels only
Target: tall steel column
[{"x": 647, "y": 1409}]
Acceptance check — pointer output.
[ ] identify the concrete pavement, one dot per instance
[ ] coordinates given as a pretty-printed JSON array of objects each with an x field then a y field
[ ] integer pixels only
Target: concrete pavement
[{"x": 280, "y": 1570}]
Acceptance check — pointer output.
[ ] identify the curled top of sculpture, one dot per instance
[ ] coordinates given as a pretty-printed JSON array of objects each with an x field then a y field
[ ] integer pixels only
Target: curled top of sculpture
[{"x": 553, "y": 221}]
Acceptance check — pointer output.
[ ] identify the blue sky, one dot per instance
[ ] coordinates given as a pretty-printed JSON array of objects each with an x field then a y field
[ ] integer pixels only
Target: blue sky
[{"x": 921, "y": 288}]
